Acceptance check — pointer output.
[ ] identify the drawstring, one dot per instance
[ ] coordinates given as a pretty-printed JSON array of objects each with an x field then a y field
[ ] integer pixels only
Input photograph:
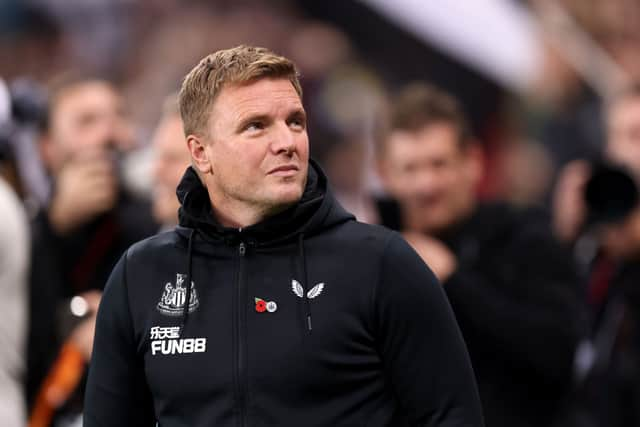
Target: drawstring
[
  {"x": 187, "y": 299},
  {"x": 305, "y": 297}
]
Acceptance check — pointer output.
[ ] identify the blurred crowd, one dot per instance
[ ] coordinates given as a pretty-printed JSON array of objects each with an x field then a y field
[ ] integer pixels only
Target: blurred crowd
[{"x": 524, "y": 202}]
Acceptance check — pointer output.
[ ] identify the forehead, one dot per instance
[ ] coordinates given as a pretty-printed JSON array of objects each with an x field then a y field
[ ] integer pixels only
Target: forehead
[
  {"x": 434, "y": 140},
  {"x": 259, "y": 96},
  {"x": 169, "y": 132},
  {"x": 86, "y": 95}
]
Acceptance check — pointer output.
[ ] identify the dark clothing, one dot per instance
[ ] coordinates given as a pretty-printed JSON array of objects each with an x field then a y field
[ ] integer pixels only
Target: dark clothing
[
  {"x": 611, "y": 392},
  {"x": 66, "y": 266},
  {"x": 308, "y": 318},
  {"x": 516, "y": 297}
]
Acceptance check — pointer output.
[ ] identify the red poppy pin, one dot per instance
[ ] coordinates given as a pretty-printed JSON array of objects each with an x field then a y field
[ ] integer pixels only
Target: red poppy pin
[{"x": 262, "y": 306}]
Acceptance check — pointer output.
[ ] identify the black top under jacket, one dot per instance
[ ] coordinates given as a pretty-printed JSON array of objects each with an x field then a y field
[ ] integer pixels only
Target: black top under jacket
[{"x": 306, "y": 319}]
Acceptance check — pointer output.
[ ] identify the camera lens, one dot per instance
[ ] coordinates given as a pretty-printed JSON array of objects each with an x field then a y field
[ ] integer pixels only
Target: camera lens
[{"x": 610, "y": 194}]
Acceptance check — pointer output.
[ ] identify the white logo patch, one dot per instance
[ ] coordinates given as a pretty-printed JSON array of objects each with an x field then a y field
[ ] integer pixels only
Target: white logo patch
[
  {"x": 313, "y": 292},
  {"x": 173, "y": 299},
  {"x": 166, "y": 340}
]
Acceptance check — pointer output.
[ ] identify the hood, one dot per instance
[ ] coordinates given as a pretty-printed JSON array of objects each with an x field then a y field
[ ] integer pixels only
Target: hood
[{"x": 316, "y": 210}]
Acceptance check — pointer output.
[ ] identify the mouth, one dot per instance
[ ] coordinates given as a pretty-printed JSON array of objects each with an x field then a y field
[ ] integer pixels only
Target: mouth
[{"x": 284, "y": 170}]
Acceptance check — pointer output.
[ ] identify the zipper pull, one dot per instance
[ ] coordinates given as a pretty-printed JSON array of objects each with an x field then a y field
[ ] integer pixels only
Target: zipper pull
[{"x": 242, "y": 249}]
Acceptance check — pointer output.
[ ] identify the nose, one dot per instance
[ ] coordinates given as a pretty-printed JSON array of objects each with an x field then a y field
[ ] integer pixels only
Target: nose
[
  {"x": 284, "y": 140},
  {"x": 425, "y": 181},
  {"x": 114, "y": 133}
]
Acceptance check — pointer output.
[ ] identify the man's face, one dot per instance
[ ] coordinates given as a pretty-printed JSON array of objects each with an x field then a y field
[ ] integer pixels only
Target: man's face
[
  {"x": 257, "y": 146},
  {"x": 623, "y": 133},
  {"x": 86, "y": 116},
  {"x": 431, "y": 176},
  {"x": 171, "y": 158}
]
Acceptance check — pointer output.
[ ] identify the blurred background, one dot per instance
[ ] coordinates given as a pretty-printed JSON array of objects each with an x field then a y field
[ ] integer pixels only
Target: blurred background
[{"x": 536, "y": 80}]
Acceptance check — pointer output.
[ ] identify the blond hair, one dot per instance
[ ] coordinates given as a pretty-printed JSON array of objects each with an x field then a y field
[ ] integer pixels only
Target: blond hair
[{"x": 239, "y": 65}]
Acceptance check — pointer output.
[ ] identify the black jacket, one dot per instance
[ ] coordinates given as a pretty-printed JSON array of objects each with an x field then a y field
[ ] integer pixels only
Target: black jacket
[
  {"x": 64, "y": 266},
  {"x": 361, "y": 333},
  {"x": 518, "y": 302},
  {"x": 517, "y": 299}
]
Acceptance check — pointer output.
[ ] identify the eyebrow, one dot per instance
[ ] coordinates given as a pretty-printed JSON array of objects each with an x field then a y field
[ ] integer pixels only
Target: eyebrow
[
  {"x": 298, "y": 112},
  {"x": 253, "y": 118}
]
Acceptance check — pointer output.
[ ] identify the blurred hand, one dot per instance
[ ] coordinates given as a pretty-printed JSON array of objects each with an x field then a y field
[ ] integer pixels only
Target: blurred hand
[
  {"x": 82, "y": 335},
  {"x": 434, "y": 253},
  {"x": 85, "y": 187},
  {"x": 568, "y": 205}
]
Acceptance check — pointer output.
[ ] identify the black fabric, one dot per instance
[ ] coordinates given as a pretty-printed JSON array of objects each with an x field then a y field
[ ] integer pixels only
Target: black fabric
[
  {"x": 384, "y": 349},
  {"x": 518, "y": 302},
  {"x": 611, "y": 392},
  {"x": 65, "y": 266}
]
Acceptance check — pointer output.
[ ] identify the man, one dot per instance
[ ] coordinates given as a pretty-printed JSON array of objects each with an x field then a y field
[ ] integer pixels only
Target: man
[
  {"x": 597, "y": 206},
  {"x": 171, "y": 159},
  {"x": 269, "y": 304},
  {"x": 511, "y": 288},
  {"x": 622, "y": 124},
  {"x": 77, "y": 239},
  {"x": 14, "y": 261}
]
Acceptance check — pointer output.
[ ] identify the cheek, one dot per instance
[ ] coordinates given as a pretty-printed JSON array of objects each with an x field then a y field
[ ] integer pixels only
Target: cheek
[{"x": 303, "y": 147}]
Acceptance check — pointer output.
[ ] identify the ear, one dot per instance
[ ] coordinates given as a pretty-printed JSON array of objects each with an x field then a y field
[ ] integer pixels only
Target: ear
[
  {"x": 475, "y": 161},
  {"x": 199, "y": 155}
]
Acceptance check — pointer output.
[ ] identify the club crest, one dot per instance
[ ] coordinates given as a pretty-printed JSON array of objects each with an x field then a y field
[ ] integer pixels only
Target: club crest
[
  {"x": 173, "y": 299},
  {"x": 313, "y": 292}
]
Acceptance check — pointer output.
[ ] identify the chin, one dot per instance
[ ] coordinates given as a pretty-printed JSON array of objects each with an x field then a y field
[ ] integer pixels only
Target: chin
[
  {"x": 287, "y": 196},
  {"x": 437, "y": 225}
]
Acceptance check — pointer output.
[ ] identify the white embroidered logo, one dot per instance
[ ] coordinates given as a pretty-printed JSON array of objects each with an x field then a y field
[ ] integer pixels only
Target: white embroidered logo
[
  {"x": 166, "y": 340},
  {"x": 160, "y": 333},
  {"x": 313, "y": 292},
  {"x": 173, "y": 299}
]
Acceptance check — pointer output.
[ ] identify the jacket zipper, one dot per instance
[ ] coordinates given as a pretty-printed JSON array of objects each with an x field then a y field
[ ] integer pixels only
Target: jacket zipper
[{"x": 241, "y": 338}]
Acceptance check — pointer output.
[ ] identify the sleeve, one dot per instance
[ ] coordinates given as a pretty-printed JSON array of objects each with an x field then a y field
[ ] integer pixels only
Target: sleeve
[
  {"x": 14, "y": 262},
  {"x": 538, "y": 325},
  {"x": 45, "y": 290},
  {"x": 117, "y": 393},
  {"x": 421, "y": 346}
]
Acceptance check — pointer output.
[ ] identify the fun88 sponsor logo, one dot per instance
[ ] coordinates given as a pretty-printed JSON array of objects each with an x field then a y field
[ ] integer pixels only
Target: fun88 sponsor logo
[{"x": 167, "y": 341}]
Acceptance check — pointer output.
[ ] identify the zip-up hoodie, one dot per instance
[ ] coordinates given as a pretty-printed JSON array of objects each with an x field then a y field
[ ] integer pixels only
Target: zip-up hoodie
[{"x": 308, "y": 318}]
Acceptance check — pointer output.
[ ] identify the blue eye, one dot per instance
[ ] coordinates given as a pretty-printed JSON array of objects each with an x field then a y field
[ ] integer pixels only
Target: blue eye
[
  {"x": 297, "y": 123},
  {"x": 254, "y": 126}
]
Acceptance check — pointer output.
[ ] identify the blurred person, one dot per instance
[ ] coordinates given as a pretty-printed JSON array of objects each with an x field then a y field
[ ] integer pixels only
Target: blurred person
[
  {"x": 333, "y": 322},
  {"x": 14, "y": 268},
  {"x": 171, "y": 159},
  {"x": 621, "y": 119},
  {"x": 77, "y": 239},
  {"x": 596, "y": 213},
  {"x": 512, "y": 288}
]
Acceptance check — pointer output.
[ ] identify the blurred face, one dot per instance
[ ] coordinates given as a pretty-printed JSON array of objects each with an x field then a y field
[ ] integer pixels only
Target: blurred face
[
  {"x": 622, "y": 240},
  {"x": 623, "y": 133},
  {"x": 86, "y": 116},
  {"x": 170, "y": 161},
  {"x": 257, "y": 150},
  {"x": 431, "y": 176}
]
